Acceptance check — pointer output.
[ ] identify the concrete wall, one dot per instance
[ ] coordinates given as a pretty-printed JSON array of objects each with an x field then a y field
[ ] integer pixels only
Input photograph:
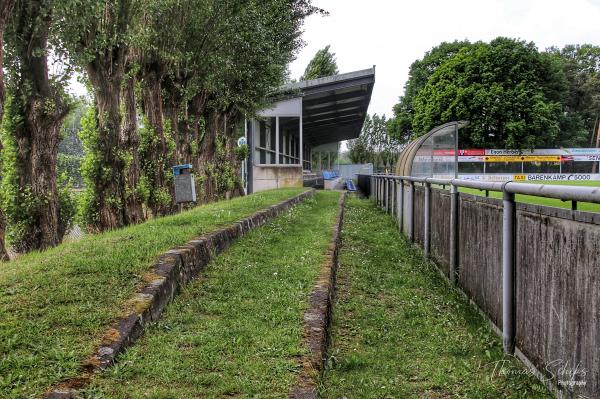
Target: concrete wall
[
  {"x": 558, "y": 291},
  {"x": 266, "y": 178},
  {"x": 352, "y": 170},
  {"x": 440, "y": 228},
  {"x": 480, "y": 253},
  {"x": 557, "y": 278}
]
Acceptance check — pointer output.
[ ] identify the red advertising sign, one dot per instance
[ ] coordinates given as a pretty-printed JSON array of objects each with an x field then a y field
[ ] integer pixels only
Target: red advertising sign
[{"x": 469, "y": 152}]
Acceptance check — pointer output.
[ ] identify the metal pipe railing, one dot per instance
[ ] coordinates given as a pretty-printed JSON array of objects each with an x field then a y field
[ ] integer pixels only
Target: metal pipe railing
[
  {"x": 391, "y": 199},
  {"x": 564, "y": 193}
]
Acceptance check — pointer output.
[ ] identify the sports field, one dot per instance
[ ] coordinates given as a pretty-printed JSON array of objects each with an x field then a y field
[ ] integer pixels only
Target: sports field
[{"x": 582, "y": 206}]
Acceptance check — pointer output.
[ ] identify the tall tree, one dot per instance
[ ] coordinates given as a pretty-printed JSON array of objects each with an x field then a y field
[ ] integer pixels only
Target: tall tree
[
  {"x": 5, "y": 11},
  {"x": 33, "y": 121},
  {"x": 323, "y": 64},
  {"x": 375, "y": 145},
  {"x": 401, "y": 125},
  {"x": 96, "y": 34},
  {"x": 581, "y": 103},
  {"x": 508, "y": 91}
]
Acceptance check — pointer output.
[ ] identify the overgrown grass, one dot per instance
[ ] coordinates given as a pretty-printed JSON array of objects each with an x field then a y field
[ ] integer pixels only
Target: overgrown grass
[
  {"x": 237, "y": 330},
  {"x": 400, "y": 331},
  {"x": 530, "y": 199},
  {"x": 55, "y": 305}
]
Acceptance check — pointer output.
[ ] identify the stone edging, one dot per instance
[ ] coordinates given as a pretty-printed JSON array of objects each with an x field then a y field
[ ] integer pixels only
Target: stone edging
[
  {"x": 171, "y": 271},
  {"x": 317, "y": 318}
]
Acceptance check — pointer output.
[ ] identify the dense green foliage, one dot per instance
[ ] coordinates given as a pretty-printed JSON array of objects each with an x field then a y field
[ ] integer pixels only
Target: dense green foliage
[
  {"x": 401, "y": 125},
  {"x": 581, "y": 103},
  {"x": 323, "y": 64},
  {"x": 400, "y": 331},
  {"x": 192, "y": 69},
  {"x": 57, "y": 304},
  {"x": 375, "y": 145},
  {"x": 514, "y": 95}
]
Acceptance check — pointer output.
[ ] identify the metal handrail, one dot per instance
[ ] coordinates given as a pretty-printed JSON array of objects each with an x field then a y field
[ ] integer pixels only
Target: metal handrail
[{"x": 564, "y": 193}]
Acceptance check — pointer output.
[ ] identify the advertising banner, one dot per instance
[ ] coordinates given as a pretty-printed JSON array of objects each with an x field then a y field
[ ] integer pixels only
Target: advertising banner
[
  {"x": 523, "y": 158},
  {"x": 500, "y": 177}
]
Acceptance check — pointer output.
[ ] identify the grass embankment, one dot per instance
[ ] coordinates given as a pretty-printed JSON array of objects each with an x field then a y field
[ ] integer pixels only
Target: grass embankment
[
  {"x": 237, "y": 330},
  {"x": 55, "y": 305},
  {"x": 529, "y": 199},
  {"x": 400, "y": 331}
]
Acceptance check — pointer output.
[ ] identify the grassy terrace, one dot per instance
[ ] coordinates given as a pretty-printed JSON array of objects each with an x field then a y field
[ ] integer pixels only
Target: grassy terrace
[
  {"x": 529, "y": 199},
  {"x": 400, "y": 331},
  {"x": 55, "y": 305},
  {"x": 236, "y": 331}
]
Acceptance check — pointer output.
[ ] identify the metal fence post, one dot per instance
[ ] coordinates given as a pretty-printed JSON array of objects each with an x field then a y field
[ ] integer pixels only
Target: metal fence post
[
  {"x": 384, "y": 187},
  {"x": 386, "y": 194},
  {"x": 454, "y": 229},
  {"x": 380, "y": 192},
  {"x": 426, "y": 220},
  {"x": 508, "y": 272},
  {"x": 393, "y": 195},
  {"x": 390, "y": 195},
  {"x": 400, "y": 194},
  {"x": 372, "y": 188},
  {"x": 411, "y": 211}
]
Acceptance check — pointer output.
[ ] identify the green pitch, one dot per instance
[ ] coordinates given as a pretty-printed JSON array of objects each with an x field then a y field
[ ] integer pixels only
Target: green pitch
[{"x": 582, "y": 206}]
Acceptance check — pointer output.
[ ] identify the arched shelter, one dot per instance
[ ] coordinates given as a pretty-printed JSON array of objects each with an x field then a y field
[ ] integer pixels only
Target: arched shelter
[{"x": 433, "y": 153}]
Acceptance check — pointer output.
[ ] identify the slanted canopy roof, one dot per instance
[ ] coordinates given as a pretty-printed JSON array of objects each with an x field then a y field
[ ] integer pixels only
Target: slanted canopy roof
[{"x": 334, "y": 107}]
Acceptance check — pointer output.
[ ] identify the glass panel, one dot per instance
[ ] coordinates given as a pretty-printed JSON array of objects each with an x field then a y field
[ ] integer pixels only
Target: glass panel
[{"x": 436, "y": 155}]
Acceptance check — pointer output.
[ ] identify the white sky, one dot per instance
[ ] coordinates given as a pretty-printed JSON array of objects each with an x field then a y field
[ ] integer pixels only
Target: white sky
[{"x": 392, "y": 34}]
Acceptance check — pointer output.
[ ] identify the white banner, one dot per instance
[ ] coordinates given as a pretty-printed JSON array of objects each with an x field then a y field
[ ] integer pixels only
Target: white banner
[{"x": 527, "y": 177}]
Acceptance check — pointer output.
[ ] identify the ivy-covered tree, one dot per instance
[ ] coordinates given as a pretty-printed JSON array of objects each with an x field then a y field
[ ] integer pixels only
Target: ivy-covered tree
[
  {"x": 96, "y": 34},
  {"x": 323, "y": 64},
  {"x": 401, "y": 125},
  {"x": 31, "y": 132},
  {"x": 507, "y": 89},
  {"x": 5, "y": 10}
]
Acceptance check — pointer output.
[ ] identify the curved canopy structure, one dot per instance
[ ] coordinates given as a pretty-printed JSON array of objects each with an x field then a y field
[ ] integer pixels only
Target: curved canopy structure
[{"x": 420, "y": 157}]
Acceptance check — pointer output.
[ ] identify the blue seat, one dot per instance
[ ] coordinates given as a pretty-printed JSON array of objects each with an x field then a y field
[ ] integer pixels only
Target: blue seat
[{"x": 350, "y": 185}]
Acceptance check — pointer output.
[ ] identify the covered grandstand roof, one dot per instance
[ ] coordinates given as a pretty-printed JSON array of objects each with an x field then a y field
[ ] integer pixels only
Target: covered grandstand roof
[{"x": 334, "y": 107}]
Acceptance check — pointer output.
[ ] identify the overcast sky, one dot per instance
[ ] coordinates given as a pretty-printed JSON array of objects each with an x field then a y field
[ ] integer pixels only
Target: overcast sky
[{"x": 391, "y": 34}]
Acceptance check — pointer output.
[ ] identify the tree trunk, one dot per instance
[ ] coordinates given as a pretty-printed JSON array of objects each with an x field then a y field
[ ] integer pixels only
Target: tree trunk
[
  {"x": 5, "y": 10},
  {"x": 215, "y": 160},
  {"x": 115, "y": 167},
  {"x": 157, "y": 151},
  {"x": 205, "y": 162},
  {"x": 130, "y": 142},
  {"x": 597, "y": 129},
  {"x": 43, "y": 110}
]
